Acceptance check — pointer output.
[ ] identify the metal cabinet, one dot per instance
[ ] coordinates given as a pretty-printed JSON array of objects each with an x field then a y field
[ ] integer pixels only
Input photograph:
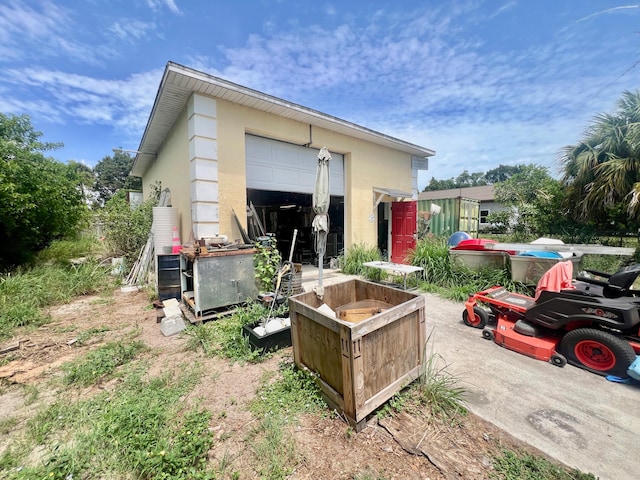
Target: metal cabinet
[
  {"x": 218, "y": 279},
  {"x": 168, "y": 276}
]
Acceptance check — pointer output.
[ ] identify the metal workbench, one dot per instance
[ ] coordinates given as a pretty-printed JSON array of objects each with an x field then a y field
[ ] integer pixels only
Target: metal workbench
[{"x": 215, "y": 279}]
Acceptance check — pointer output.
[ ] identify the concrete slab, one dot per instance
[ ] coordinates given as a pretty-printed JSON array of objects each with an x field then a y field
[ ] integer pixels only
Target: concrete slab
[
  {"x": 574, "y": 416},
  {"x": 577, "y": 417}
]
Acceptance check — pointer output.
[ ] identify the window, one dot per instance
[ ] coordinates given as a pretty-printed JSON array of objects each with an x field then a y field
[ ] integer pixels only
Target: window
[{"x": 483, "y": 216}]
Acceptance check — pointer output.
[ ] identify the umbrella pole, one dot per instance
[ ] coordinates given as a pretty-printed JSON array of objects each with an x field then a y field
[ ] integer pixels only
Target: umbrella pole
[{"x": 320, "y": 266}]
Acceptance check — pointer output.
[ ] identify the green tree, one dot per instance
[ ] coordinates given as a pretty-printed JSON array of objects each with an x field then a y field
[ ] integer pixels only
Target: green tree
[
  {"x": 502, "y": 173},
  {"x": 112, "y": 174},
  {"x": 535, "y": 199},
  {"x": 603, "y": 169},
  {"x": 39, "y": 197}
]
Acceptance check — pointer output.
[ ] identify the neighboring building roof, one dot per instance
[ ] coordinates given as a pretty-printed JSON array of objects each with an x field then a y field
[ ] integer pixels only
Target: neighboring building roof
[
  {"x": 179, "y": 83},
  {"x": 484, "y": 193}
]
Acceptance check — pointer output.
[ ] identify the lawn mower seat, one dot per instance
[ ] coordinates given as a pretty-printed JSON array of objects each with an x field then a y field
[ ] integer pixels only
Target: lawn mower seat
[
  {"x": 615, "y": 285},
  {"x": 557, "y": 278}
]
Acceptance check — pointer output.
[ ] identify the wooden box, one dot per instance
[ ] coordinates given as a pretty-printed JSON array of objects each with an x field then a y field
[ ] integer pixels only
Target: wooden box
[{"x": 362, "y": 364}]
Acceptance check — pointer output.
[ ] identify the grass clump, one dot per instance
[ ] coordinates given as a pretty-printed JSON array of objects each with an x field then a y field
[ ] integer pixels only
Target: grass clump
[
  {"x": 25, "y": 292},
  {"x": 101, "y": 362},
  {"x": 277, "y": 405},
  {"x": 454, "y": 281},
  {"x": 295, "y": 392},
  {"x": 351, "y": 261},
  {"x": 140, "y": 430},
  {"x": 524, "y": 466},
  {"x": 224, "y": 336}
]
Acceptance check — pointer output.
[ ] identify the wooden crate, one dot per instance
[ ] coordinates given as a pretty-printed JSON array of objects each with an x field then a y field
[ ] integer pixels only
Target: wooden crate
[{"x": 360, "y": 365}]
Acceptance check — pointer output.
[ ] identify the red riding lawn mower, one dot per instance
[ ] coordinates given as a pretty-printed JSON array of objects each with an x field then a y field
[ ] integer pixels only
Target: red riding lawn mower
[{"x": 594, "y": 324}]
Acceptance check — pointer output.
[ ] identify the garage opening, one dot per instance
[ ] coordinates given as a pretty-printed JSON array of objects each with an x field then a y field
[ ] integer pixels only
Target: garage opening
[{"x": 282, "y": 212}]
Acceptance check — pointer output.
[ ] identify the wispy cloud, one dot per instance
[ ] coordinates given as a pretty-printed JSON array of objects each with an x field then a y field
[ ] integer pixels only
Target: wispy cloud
[
  {"x": 170, "y": 4},
  {"x": 124, "y": 104},
  {"x": 607, "y": 11},
  {"x": 131, "y": 30}
]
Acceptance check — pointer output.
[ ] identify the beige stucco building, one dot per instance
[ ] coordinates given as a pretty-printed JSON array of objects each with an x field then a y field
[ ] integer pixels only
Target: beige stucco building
[{"x": 219, "y": 146}]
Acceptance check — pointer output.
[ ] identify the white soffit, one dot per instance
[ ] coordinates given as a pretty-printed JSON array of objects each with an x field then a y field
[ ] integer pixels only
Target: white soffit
[{"x": 180, "y": 82}]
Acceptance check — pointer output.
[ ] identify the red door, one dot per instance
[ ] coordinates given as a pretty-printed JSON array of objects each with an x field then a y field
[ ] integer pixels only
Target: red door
[{"x": 404, "y": 224}]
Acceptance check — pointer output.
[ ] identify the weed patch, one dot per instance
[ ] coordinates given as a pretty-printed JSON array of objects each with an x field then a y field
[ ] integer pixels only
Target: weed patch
[
  {"x": 139, "y": 429},
  {"x": 100, "y": 362},
  {"x": 524, "y": 466},
  {"x": 224, "y": 337},
  {"x": 27, "y": 291}
]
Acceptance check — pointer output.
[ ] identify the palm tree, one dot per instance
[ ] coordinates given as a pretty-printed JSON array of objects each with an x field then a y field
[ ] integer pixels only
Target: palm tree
[{"x": 604, "y": 168}]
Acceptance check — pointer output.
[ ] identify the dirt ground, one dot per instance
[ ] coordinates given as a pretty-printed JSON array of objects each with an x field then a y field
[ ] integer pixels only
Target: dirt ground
[{"x": 402, "y": 447}]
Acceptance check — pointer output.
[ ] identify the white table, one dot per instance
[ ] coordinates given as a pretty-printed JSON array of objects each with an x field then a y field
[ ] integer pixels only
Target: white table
[{"x": 395, "y": 269}]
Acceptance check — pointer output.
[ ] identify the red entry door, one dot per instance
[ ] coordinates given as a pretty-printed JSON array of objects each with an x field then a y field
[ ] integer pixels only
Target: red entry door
[{"x": 404, "y": 225}]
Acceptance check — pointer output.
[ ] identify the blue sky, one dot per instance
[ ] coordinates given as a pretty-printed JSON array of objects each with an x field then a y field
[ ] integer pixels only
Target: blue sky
[{"x": 483, "y": 83}]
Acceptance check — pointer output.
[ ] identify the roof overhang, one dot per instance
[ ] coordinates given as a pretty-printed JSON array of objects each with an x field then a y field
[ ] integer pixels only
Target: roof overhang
[
  {"x": 179, "y": 83},
  {"x": 394, "y": 195}
]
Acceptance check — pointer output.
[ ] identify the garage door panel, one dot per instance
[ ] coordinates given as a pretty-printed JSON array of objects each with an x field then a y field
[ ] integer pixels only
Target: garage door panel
[{"x": 279, "y": 166}]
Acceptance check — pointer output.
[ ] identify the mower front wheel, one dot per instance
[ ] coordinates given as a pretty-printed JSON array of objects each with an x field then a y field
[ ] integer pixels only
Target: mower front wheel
[
  {"x": 596, "y": 351},
  {"x": 479, "y": 320},
  {"x": 558, "y": 360},
  {"x": 488, "y": 334}
]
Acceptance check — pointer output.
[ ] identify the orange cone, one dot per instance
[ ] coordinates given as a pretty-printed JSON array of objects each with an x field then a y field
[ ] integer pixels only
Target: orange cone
[{"x": 176, "y": 245}]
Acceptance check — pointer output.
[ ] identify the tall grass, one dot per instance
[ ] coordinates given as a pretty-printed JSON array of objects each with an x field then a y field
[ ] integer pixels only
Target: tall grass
[
  {"x": 455, "y": 281},
  {"x": 141, "y": 429},
  {"x": 25, "y": 292},
  {"x": 351, "y": 262}
]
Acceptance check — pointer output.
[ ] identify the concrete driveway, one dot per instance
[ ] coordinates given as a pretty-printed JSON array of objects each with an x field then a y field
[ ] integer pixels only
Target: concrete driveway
[
  {"x": 574, "y": 416},
  {"x": 577, "y": 417}
]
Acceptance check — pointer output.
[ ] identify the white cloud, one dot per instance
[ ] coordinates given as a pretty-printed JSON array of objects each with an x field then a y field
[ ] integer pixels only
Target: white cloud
[
  {"x": 131, "y": 30},
  {"x": 123, "y": 104},
  {"x": 170, "y": 4}
]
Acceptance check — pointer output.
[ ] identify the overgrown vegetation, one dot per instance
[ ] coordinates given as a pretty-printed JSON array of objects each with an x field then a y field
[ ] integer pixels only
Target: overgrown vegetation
[
  {"x": 351, "y": 262},
  {"x": 224, "y": 337},
  {"x": 454, "y": 281},
  {"x": 141, "y": 428},
  {"x": 101, "y": 362},
  {"x": 277, "y": 405},
  {"x": 127, "y": 229},
  {"x": 40, "y": 198},
  {"x": 521, "y": 465},
  {"x": 266, "y": 263},
  {"x": 26, "y": 292}
]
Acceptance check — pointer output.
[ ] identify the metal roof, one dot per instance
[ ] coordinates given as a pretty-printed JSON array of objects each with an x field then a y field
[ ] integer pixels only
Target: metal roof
[
  {"x": 180, "y": 82},
  {"x": 484, "y": 193}
]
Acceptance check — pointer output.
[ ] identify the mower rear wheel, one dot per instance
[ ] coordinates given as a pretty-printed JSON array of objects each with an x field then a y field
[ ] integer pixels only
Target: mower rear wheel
[
  {"x": 479, "y": 320},
  {"x": 597, "y": 351}
]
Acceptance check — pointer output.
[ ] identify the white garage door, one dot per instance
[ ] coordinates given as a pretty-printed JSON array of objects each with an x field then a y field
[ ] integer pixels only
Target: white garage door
[{"x": 280, "y": 166}]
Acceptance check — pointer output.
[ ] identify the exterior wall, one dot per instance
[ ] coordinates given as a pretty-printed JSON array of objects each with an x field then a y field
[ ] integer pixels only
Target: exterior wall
[
  {"x": 492, "y": 207},
  {"x": 172, "y": 170},
  {"x": 371, "y": 166},
  {"x": 366, "y": 166},
  {"x": 203, "y": 163},
  {"x": 203, "y": 166}
]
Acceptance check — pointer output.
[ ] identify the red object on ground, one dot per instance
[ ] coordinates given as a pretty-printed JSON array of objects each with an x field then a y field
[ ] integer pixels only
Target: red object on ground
[
  {"x": 474, "y": 244},
  {"x": 176, "y": 246},
  {"x": 480, "y": 244}
]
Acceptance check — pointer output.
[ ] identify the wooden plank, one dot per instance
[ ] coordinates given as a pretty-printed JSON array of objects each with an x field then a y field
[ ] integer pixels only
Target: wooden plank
[
  {"x": 387, "y": 317},
  {"x": 191, "y": 255},
  {"x": 314, "y": 315},
  {"x": 9, "y": 348},
  {"x": 375, "y": 401},
  {"x": 348, "y": 393},
  {"x": 356, "y": 315}
]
